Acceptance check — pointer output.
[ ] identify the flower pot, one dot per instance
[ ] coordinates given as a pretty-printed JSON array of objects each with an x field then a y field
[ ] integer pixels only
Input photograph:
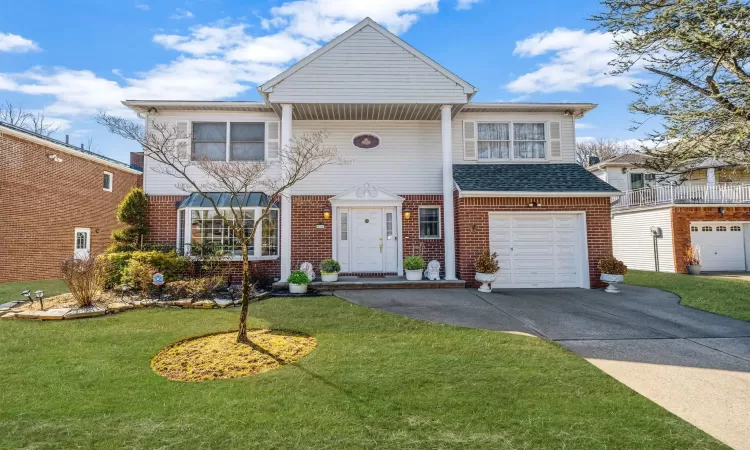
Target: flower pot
[
  {"x": 485, "y": 279},
  {"x": 414, "y": 275},
  {"x": 329, "y": 277},
  {"x": 693, "y": 269},
  {"x": 297, "y": 288},
  {"x": 612, "y": 281}
]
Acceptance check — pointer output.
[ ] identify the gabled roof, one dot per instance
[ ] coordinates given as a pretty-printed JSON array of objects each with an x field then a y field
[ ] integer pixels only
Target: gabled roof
[
  {"x": 628, "y": 159},
  {"x": 367, "y": 22},
  {"x": 47, "y": 141},
  {"x": 558, "y": 179}
]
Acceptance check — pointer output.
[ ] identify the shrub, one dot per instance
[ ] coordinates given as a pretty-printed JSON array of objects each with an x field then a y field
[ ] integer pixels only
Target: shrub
[
  {"x": 201, "y": 287},
  {"x": 413, "y": 263},
  {"x": 692, "y": 255},
  {"x": 170, "y": 265},
  {"x": 298, "y": 277},
  {"x": 116, "y": 262},
  {"x": 85, "y": 278},
  {"x": 133, "y": 212},
  {"x": 139, "y": 274},
  {"x": 330, "y": 266},
  {"x": 612, "y": 266},
  {"x": 487, "y": 263}
]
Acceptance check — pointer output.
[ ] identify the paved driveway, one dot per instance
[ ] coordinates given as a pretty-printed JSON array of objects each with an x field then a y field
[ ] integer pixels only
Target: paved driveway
[{"x": 694, "y": 363}]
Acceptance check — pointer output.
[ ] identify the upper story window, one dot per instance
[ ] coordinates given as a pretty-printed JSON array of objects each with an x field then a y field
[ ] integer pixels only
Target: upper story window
[
  {"x": 642, "y": 180},
  {"x": 108, "y": 181},
  {"x": 246, "y": 141},
  {"x": 511, "y": 141}
]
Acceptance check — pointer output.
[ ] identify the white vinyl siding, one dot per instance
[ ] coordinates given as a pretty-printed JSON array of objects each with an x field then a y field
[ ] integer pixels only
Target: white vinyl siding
[
  {"x": 407, "y": 161},
  {"x": 566, "y": 142},
  {"x": 367, "y": 68},
  {"x": 632, "y": 241}
]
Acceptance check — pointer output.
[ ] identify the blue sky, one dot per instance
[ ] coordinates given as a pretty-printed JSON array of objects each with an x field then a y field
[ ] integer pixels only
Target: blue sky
[{"x": 73, "y": 59}]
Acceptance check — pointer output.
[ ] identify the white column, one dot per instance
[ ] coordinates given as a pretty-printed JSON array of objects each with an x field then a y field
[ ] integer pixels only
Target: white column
[
  {"x": 286, "y": 201},
  {"x": 711, "y": 176},
  {"x": 449, "y": 237}
]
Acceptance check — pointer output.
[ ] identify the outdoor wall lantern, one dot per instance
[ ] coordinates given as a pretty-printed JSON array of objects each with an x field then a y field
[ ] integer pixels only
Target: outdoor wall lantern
[
  {"x": 721, "y": 212},
  {"x": 407, "y": 213},
  {"x": 326, "y": 213}
]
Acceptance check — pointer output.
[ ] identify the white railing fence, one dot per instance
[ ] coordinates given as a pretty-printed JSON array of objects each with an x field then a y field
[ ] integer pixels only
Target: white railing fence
[{"x": 729, "y": 193}]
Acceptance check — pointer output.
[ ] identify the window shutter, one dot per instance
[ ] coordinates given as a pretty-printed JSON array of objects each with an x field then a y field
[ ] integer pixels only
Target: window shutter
[
  {"x": 470, "y": 140},
  {"x": 182, "y": 140},
  {"x": 555, "y": 145},
  {"x": 272, "y": 140}
]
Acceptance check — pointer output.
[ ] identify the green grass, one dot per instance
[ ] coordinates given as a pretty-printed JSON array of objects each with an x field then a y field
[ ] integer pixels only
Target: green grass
[
  {"x": 375, "y": 380},
  {"x": 12, "y": 291},
  {"x": 717, "y": 295}
]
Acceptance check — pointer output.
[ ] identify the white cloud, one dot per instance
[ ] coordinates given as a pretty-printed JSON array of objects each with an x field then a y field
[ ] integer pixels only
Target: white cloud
[
  {"x": 181, "y": 14},
  {"x": 583, "y": 126},
  {"x": 579, "y": 59},
  {"x": 585, "y": 138},
  {"x": 16, "y": 44},
  {"x": 204, "y": 40},
  {"x": 142, "y": 6},
  {"x": 466, "y": 4}
]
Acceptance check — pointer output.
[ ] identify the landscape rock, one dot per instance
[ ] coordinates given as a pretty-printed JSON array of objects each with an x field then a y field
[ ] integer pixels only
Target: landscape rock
[
  {"x": 53, "y": 314},
  {"x": 81, "y": 313},
  {"x": 27, "y": 314},
  {"x": 203, "y": 304},
  {"x": 183, "y": 302},
  {"x": 223, "y": 302},
  {"x": 8, "y": 316},
  {"x": 118, "y": 307}
]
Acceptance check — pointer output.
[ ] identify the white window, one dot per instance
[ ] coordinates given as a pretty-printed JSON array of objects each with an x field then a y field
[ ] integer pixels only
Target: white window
[
  {"x": 246, "y": 141},
  {"x": 721, "y": 228},
  {"x": 201, "y": 230},
  {"x": 736, "y": 228},
  {"x": 693, "y": 228},
  {"x": 504, "y": 141},
  {"x": 108, "y": 181},
  {"x": 429, "y": 222},
  {"x": 707, "y": 229}
]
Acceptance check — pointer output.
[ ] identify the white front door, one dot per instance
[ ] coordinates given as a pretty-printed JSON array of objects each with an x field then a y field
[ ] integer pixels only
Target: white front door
[
  {"x": 82, "y": 245},
  {"x": 721, "y": 244},
  {"x": 538, "y": 250},
  {"x": 367, "y": 240}
]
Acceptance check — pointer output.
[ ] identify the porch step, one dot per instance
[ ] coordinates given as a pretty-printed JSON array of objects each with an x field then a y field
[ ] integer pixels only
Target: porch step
[{"x": 352, "y": 283}]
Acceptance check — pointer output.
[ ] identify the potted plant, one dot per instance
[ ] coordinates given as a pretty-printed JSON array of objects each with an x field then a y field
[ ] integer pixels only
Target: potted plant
[
  {"x": 329, "y": 270},
  {"x": 413, "y": 265},
  {"x": 298, "y": 281},
  {"x": 487, "y": 268},
  {"x": 613, "y": 272},
  {"x": 693, "y": 260}
]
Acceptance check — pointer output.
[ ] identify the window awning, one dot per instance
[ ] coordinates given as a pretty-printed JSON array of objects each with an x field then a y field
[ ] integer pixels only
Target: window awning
[{"x": 225, "y": 200}]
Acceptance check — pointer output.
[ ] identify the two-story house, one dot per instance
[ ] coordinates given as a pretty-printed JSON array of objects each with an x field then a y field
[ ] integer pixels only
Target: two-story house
[
  {"x": 427, "y": 171},
  {"x": 708, "y": 206}
]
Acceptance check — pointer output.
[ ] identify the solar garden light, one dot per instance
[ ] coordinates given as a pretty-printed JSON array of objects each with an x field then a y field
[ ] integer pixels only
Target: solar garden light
[{"x": 40, "y": 296}]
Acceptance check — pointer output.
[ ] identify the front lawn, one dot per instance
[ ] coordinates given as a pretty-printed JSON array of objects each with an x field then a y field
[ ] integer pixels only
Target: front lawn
[
  {"x": 717, "y": 295},
  {"x": 12, "y": 291},
  {"x": 375, "y": 380}
]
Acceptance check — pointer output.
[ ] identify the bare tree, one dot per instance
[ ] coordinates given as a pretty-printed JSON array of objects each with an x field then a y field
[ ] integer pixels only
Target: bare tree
[
  {"x": 168, "y": 145},
  {"x": 39, "y": 124},
  {"x": 14, "y": 115},
  {"x": 602, "y": 148}
]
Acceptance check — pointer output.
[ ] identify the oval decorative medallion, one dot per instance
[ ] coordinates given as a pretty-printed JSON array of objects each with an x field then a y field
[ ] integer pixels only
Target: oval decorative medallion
[{"x": 366, "y": 141}]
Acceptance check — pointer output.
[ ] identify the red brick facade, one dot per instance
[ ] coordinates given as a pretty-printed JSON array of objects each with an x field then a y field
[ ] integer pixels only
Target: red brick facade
[
  {"x": 43, "y": 201},
  {"x": 472, "y": 227},
  {"x": 681, "y": 218}
]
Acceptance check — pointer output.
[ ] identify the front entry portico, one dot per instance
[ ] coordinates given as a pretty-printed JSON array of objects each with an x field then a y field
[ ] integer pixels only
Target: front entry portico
[{"x": 366, "y": 231}]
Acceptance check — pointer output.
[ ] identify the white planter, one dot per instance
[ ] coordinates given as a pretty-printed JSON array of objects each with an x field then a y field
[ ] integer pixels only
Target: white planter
[
  {"x": 414, "y": 275},
  {"x": 485, "y": 279},
  {"x": 612, "y": 281},
  {"x": 329, "y": 277},
  {"x": 297, "y": 288}
]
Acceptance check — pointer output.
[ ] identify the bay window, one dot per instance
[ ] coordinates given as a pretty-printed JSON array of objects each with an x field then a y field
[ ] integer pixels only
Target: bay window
[
  {"x": 511, "y": 141},
  {"x": 201, "y": 230}
]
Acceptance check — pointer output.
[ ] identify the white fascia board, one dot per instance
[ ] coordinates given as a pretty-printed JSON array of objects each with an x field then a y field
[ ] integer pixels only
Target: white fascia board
[
  {"x": 517, "y": 194},
  {"x": 67, "y": 150}
]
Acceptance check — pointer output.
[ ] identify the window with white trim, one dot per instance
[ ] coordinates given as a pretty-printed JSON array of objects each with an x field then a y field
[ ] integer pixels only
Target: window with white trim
[
  {"x": 736, "y": 228},
  {"x": 429, "y": 222},
  {"x": 229, "y": 141},
  {"x": 344, "y": 228},
  {"x": 201, "y": 230},
  {"x": 248, "y": 141},
  {"x": 693, "y": 228},
  {"x": 108, "y": 181},
  {"x": 707, "y": 228},
  {"x": 506, "y": 141},
  {"x": 721, "y": 228}
]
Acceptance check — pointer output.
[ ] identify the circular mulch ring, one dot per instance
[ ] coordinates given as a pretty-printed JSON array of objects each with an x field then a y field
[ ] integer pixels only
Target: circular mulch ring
[{"x": 219, "y": 356}]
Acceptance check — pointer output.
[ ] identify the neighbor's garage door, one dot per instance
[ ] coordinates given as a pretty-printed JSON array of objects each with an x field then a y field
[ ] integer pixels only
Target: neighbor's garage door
[
  {"x": 722, "y": 245},
  {"x": 537, "y": 250}
]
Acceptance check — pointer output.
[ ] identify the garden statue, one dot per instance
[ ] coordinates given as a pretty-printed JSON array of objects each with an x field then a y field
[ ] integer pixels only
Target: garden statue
[
  {"x": 433, "y": 270},
  {"x": 308, "y": 269}
]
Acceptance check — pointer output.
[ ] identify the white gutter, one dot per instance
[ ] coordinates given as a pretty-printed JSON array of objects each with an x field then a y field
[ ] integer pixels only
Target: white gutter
[
  {"x": 518, "y": 194},
  {"x": 69, "y": 151}
]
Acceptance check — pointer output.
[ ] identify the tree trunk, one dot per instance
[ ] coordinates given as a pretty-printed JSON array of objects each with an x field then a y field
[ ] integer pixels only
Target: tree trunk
[{"x": 242, "y": 334}]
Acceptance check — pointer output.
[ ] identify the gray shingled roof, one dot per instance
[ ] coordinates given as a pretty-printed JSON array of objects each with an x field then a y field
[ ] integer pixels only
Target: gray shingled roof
[{"x": 528, "y": 178}]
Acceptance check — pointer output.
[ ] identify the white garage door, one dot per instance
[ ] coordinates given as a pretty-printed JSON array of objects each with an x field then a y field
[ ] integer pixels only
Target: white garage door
[
  {"x": 722, "y": 245},
  {"x": 537, "y": 250}
]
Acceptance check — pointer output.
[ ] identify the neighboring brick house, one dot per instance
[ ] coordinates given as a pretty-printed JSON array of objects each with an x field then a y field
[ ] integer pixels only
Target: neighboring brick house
[
  {"x": 424, "y": 171},
  {"x": 56, "y": 201}
]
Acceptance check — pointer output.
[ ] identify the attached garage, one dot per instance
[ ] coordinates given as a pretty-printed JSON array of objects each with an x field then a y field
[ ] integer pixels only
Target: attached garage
[
  {"x": 722, "y": 245},
  {"x": 539, "y": 250}
]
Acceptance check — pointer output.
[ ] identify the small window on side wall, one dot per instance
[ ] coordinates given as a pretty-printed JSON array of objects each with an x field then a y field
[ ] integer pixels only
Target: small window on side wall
[
  {"x": 429, "y": 222},
  {"x": 108, "y": 181}
]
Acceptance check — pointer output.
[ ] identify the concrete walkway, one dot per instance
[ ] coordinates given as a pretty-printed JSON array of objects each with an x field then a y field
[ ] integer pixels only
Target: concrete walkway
[{"x": 694, "y": 363}]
